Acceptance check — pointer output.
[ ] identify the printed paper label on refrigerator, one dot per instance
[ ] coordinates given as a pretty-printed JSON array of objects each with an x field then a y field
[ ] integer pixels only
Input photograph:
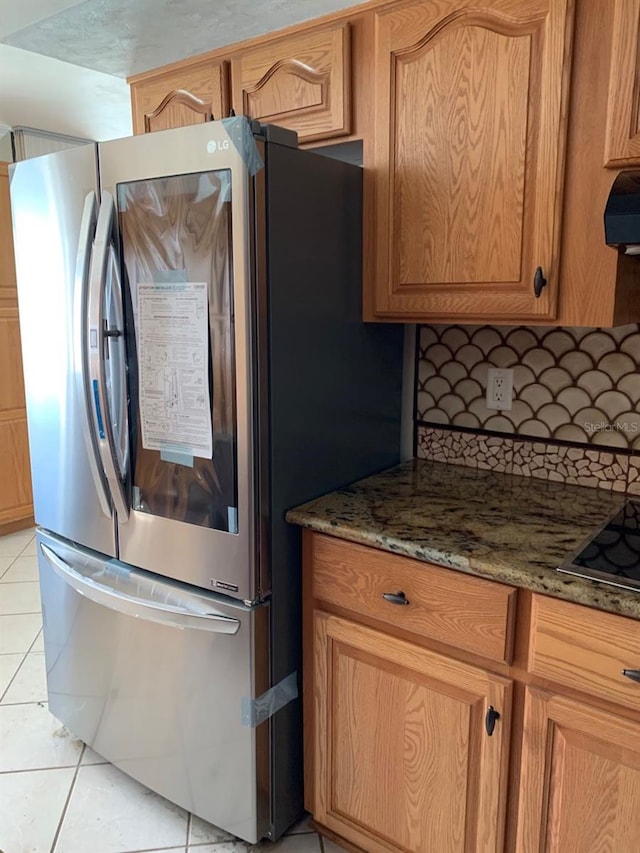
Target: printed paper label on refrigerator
[{"x": 173, "y": 354}]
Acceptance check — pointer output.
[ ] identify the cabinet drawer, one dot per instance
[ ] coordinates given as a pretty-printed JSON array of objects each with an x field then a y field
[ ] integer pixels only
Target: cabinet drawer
[
  {"x": 465, "y": 612},
  {"x": 585, "y": 649}
]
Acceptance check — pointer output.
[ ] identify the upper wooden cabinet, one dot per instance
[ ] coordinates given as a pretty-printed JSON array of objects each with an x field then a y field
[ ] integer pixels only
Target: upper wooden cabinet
[
  {"x": 492, "y": 131},
  {"x": 182, "y": 96},
  {"x": 468, "y": 143},
  {"x": 623, "y": 109},
  {"x": 301, "y": 82},
  {"x": 598, "y": 287}
]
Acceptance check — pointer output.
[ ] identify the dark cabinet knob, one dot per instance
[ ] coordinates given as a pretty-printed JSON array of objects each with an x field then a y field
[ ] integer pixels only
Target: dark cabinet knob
[
  {"x": 395, "y": 597},
  {"x": 633, "y": 674},
  {"x": 539, "y": 282},
  {"x": 490, "y": 719}
]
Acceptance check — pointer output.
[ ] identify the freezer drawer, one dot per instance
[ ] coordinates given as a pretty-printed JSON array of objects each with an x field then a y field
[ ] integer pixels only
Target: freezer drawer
[{"x": 153, "y": 677}]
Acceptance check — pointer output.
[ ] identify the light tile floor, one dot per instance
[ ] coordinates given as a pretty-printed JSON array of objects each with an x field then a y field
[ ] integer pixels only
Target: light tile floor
[{"x": 56, "y": 794}]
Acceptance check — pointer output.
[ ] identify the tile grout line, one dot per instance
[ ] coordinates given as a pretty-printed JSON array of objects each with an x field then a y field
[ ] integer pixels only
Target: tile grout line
[
  {"x": 12, "y": 563},
  {"x": 20, "y": 665},
  {"x": 65, "y": 807},
  {"x": 13, "y": 677},
  {"x": 186, "y": 844},
  {"x": 156, "y": 850},
  {"x": 13, "y": 559},
  {"x": 40, "y": 769}
]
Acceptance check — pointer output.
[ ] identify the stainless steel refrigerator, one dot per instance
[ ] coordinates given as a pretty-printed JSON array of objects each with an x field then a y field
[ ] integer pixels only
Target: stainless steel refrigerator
[{"x": 195, "y": 365}]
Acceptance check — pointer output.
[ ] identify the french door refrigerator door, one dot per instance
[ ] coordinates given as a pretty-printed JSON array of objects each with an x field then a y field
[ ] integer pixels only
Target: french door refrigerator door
[
  {"x": 155, "y": 678},
  {"x": 178, "y": 206},
  {"x": 54, "y": 203}
]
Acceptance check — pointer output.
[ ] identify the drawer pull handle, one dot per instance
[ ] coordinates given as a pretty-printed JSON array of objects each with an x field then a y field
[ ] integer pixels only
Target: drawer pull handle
[
  {"x": 490, "y": 719},
  {"x": 633, "y": 674},
  {"x": 395, "y": 597}
]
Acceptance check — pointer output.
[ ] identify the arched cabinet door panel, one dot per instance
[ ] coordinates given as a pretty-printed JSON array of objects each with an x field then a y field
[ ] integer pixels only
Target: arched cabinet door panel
[
  {"x": 301, "y": 82},
  {"x": 622, "y": 146},
  {"x": 469, "y": 136},
  {"x": 181, "y": 97}
]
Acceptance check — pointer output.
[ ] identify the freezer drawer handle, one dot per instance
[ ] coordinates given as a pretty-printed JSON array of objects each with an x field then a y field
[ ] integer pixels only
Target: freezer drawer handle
[{"x": 131, "y": 605}]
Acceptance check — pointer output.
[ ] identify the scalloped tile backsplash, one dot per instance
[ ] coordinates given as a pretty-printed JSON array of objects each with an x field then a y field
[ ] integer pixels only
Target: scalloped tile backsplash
[
  {"x": 576, "y": 402},
  {"x": 569, "y": 384}
]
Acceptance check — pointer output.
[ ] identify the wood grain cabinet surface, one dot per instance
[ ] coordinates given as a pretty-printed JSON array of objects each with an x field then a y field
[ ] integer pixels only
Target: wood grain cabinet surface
[
  {"x": 608, "y": 646},
  {"x": 400, "y": 750},
  {"x": 579, "y": 787},
  {"x": 580, "y": 779},
  {"x": 403, "y": 758},
  {"x": 623, "y": 107},
  {"x": 465, "y": 612},
  {"x": 491, "y": 134},
  {"x": 182, "y": 96},
  {"x": 469, "y": 131},
  {"x": 16, "y": 502},
  {"x": 301, "y": 82}
]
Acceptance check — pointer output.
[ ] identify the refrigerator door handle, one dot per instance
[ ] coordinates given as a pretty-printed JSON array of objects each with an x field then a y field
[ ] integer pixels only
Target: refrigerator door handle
[
  {"x": 95, "y": 341},
  {"x": 117, "y": 336},
  {"x": 149, "y": 608},
  {"x": 85, "y": 238}
]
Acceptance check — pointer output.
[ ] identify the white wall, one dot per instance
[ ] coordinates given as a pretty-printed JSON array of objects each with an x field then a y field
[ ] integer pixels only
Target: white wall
[
  {"x": 37, "y": 91},
  {"x": 6, "y": 151}
]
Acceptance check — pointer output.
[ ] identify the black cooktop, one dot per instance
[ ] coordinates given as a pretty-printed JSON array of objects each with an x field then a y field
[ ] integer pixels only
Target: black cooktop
[{"x": 613, "y": 555}]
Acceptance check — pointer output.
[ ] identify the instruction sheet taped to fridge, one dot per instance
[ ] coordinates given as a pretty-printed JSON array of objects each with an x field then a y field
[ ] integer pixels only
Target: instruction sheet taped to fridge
[{"x": 173, "y": 353}]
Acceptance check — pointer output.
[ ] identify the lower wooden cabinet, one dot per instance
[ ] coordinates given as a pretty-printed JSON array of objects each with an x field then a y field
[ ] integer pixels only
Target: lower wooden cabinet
[
  {"x": 16, "y": 501},
  {"x": 403, "y": 747},
  {"x": 580, "y": 779},
  {"x": 403, "y": 755}
]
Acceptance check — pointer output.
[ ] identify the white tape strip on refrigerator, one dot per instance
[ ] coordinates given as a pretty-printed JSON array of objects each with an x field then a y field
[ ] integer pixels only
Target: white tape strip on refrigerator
[
  {"x": 256, "y": 711},
  {"x": 239, "y": 132}
]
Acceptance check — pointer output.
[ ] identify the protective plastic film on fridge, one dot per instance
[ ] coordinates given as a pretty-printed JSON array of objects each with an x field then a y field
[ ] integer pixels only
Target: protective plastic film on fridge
[{"x": 195, "y": 365}]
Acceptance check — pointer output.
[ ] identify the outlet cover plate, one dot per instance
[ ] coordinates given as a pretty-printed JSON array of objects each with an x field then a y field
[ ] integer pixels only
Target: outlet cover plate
[{"x": 499, "y": 389}]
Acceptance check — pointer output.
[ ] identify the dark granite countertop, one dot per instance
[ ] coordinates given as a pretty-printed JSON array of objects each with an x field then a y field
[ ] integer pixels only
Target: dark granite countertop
[{"x": 517, "y": 530}]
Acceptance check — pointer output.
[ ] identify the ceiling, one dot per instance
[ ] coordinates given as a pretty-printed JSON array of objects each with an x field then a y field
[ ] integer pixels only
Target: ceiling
[
  {"x": 125, "y": 37},
  {"x": 63, "y": 63}
]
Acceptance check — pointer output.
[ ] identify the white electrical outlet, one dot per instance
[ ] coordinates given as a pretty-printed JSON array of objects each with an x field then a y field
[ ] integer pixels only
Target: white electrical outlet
[{"x": 499, "y": 389}]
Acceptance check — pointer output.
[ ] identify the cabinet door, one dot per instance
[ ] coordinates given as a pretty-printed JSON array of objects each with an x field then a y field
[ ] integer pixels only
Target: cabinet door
[
  {"x": 470, "y": 128},
  {"x": 300, "y": 82},
  {"x": 181, "y": 97},
  {"x": 622, "y": 145},
  {"x": 402, "y": 757},
  {"x": 16, "y": 502},
  {"x": 580, "y": 779}
]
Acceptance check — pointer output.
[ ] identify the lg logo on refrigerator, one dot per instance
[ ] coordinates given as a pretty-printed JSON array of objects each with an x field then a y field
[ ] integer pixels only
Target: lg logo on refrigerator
[{"x": 213, "y": 146}]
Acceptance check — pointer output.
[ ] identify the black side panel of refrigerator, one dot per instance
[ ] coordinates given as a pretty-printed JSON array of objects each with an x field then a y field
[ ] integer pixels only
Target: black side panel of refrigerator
[{"x": 335, "y": 395}]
